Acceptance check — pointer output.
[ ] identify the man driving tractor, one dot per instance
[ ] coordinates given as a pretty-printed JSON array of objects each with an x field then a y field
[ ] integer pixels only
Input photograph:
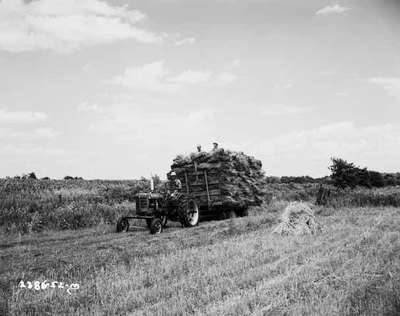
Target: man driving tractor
[
  {"x": 174, "y": 188},
  {"x": 175, "y": 185}
]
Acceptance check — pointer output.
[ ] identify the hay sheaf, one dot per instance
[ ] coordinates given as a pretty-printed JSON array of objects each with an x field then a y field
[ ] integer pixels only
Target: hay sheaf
[{"x": 297, "y": 219}]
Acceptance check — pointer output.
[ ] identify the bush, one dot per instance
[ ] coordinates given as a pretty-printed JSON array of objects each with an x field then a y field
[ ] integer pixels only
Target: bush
[{"x": 347, "y": 175}]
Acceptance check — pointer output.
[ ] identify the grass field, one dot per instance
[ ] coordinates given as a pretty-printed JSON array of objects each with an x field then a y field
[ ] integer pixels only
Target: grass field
[{"x": 231, "y": 267}]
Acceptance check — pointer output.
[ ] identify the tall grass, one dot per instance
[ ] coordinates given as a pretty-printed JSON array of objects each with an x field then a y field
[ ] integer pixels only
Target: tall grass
[
  {"x": 33, "y": 205},
  {"x": 384, "y": 197},
  {"x": 28, "y": 205},
  {"x": 292, "y": 191}
]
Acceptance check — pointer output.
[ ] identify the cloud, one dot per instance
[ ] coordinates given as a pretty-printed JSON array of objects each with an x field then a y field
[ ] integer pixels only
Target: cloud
[
  {"x": 21, "y": 117},
  {"x": 156, "y": 77},
  {"x": 184, "y": 41},
  {"x": 14, "y": 150},
  {"x": 88, "y": 107},
  {"x": 283, "y": 110},
  {"x": 389, "y": 84},
  {"x": 128, "y": 125},
  {"x": 67, "y": 25},
  {"x": 332, "y": 9},
  {"x": 283, "y": 86},
  {"x": 224, "y": 78},
  {"x": 312, "y": 148},
  {"x": 236, "y": 62},
  {"x": 150, "y": 77},
  {"x": 191, "y": 77},
  {"x": 231, "y": 65},
  {"x": 37, "y": 134},
  {"x": 43, "y": 133}
]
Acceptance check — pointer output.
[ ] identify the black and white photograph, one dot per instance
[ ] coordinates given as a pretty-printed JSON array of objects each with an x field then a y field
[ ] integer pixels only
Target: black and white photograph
[{"x": 200, "y": 157}]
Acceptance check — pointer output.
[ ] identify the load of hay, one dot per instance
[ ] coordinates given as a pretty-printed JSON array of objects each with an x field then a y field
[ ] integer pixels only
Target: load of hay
[
  {"x": 297, "y": 219},
  {"x": 233, "y": 178}
]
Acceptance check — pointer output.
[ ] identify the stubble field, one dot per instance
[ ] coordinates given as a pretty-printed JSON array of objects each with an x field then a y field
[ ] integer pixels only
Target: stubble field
[{"x": 231, "y": 267}]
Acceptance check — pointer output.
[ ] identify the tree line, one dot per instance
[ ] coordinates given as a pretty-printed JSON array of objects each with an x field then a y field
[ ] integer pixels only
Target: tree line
[{"x": 345, "y": 174}]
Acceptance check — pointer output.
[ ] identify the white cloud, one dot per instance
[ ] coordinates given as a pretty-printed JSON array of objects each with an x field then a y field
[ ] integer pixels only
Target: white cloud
[
  {"x": 332, "y": 9},
  {"x": 224, "y": 78},
  {"x": 43, "y": 133},
  {"x": 231, "y": 65},
  {"x": 283, "y": 86},
  {"x": 14, "y": 150},
  {"x": 184, "y": 41},
  {"x": 156, "y": 77},
  {"x": 21, "y": 117},
  {"x": 66, "y": 25},
  {"x": 236, "y": 62},
  {"x": 191, "y": 77},
  {"x": 283, "y": 110},
  {"x": 128, "y": 125},
  {"x": 89, "y": 107},
  {"x": 151, "y": 77},
  {"x": 391, "y": 85},
  {"x": 312, "y": 148}
]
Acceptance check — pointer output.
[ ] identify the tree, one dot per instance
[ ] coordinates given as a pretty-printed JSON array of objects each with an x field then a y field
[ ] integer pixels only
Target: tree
[{"x": 344, "y": 174}]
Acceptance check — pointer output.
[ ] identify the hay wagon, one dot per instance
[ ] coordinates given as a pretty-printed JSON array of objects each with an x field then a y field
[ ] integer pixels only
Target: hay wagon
[
  {"x": 202, "y": 198},
  {"x": 204, "y": 185},
  {"x": 217, "y": 185}
]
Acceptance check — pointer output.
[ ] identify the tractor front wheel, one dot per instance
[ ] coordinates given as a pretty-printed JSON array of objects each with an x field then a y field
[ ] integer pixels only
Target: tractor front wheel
[
  {"x": 156, "y": 226},
  {"x": 122, "y": 224}
]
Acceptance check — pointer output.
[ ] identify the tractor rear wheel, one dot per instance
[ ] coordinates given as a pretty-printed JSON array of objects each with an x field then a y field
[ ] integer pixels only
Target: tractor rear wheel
[
  {"x": 156, "y": 226},
  {"x": 122, "y": 224},
  {"x": 189, "y": 212}
]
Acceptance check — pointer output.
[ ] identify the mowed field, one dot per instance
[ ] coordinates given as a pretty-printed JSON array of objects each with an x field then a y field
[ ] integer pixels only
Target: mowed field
[{"x": 231, "y": 267}]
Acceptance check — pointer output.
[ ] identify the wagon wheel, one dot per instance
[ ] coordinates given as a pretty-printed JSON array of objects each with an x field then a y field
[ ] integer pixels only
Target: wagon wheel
[
  {"x": 156, "y": 226},
  {"x": 189, "y": 212},
  {"x": 122, "y": 224}
]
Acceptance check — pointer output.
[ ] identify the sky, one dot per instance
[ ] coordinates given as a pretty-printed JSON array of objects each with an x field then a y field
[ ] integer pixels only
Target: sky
[{"x": 116, "y": 89}]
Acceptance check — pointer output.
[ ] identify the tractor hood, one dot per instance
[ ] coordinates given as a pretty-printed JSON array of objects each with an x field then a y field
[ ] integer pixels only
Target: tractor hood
[{"x": 150, "y": 196}]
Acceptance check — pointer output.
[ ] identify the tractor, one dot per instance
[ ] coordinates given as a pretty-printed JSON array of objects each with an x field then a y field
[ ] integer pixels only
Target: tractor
[{"x": 157, "y": 208}]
